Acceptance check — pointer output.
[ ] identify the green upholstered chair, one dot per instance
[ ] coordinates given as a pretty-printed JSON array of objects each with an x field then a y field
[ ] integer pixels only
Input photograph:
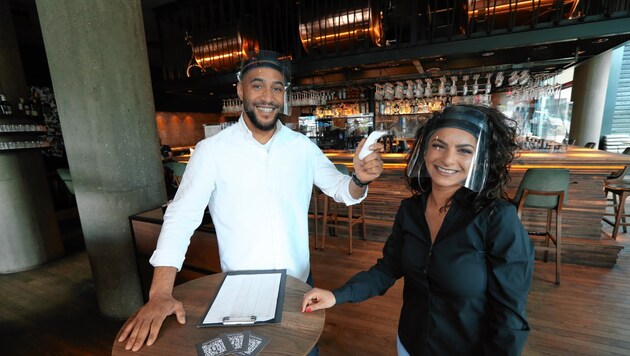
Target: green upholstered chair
[
  {"x": 333, "y": 220},
  {"x": 622, "y": 172},
  {"x": 546, "y": 189},
  {"x": 178, "y": 169}
]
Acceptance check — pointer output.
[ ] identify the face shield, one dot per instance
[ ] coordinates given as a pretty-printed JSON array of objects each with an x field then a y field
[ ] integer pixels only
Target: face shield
[
  {"x": 273, "y": 60},
  {"x": 464, "y": 118}
]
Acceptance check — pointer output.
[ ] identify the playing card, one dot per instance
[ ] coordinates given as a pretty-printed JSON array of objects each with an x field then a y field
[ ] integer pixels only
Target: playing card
[
  {"x": 239, "y": 340},
  {"x": 255, "y": 345},
  {"x": 218, "y": 346}
]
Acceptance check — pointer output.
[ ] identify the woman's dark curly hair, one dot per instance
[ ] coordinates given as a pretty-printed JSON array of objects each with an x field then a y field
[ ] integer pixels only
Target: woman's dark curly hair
[{"x": 501, "y": 150}]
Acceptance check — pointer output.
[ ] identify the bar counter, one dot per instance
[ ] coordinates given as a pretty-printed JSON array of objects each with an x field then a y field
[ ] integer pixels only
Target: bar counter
[{"x": 583, "y": 239}]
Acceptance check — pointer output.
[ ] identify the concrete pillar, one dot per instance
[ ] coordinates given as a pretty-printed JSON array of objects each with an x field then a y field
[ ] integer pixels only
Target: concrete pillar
[
  {"x": 29, "y": 235},
  {"x": 100, "y": 72},
  {"x": 590, "y": 81}
]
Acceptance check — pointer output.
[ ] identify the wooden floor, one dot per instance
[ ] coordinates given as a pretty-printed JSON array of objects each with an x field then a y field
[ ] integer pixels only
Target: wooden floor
[{"x": 52, "y": 310}]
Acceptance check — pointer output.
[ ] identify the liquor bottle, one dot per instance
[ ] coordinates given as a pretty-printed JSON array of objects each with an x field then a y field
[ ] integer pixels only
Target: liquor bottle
[
  {"x": 35, "y": 107},
  {"x": 27, "y": 108},
  {"x": 21, "y": 106},
  {"x": 5, "y": 107}
]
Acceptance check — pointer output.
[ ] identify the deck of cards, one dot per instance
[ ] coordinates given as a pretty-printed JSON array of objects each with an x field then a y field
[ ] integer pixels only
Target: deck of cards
[{"x": 243, "y": 343}]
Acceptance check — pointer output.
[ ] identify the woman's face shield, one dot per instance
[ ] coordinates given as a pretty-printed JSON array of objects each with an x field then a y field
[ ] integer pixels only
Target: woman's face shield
[{"x": 463, "y": 118}]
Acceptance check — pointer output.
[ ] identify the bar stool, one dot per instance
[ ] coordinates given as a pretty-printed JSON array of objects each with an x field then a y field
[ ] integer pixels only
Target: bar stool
[
  {"x": 336, "y": 221},
  {"x": 619, "y": 188},
  {"x": 547, "y": 189}
]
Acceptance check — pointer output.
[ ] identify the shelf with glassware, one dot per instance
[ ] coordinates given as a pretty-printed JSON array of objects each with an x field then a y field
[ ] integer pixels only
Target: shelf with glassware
[
  {"x": 343, "y": 132},
  {"x": 19, "y": 133}
]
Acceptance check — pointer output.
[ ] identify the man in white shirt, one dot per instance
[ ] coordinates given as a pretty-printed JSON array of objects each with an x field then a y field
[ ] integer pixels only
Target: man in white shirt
[{"x": 256, "y": 178}]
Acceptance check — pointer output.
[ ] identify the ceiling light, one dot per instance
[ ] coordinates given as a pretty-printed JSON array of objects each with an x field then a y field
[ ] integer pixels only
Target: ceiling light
[
  {"x": 440, "y": 59},
  {"x": 487, "y": 54},
  {"x": 601, "y": 40},
  {"x": 539, "y": 48}
]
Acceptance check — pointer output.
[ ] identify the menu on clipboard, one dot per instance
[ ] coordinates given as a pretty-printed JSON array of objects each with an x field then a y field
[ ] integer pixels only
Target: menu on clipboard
[{"x": 247, "y": 297}]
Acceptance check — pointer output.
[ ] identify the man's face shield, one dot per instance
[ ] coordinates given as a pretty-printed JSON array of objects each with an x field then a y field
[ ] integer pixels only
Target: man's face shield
[
  {"x": 459, "y": 117},
  {"x": 275, "y": 61}
]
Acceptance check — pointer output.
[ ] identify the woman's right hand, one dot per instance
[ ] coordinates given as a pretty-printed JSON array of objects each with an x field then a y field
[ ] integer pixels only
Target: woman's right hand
[{"x": 317, "y": 299}]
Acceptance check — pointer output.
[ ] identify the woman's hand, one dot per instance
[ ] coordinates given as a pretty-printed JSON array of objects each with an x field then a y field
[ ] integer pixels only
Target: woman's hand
[{"x": 317, "y": 299}]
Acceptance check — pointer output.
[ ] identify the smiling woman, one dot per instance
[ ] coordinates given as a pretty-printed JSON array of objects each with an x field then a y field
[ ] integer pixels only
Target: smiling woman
[
  {"x": 458, "y": 243},
  {"x": 454, "y": 144}
]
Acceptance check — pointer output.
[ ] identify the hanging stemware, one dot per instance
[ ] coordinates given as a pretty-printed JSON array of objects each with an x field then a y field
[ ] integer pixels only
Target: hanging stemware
[
  {"x": 428, "y": 92},
  {"x": 513, "y": 80},
  {"x": 378, "y": 93},
  {"x": 409, "y": 93},
  {"x": 498, "y": 80},
  {"x": 475, "y": 88},
  {"x": 465, "y": 88},
  {"x": 488, "y": 83},
  {"x": 453, "y": 90},
  {"x": 524, "y": 77},
  {"x": 418, "y": 91},
  {"x": 442, "y": 87}
]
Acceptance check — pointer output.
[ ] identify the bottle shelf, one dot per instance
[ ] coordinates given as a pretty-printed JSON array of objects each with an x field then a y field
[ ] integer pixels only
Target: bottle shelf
[{"x": 20, "y": 132}]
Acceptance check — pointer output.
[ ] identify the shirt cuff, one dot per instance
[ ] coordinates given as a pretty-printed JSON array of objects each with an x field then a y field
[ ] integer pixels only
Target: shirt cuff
[{"x": 163, "y": 258}]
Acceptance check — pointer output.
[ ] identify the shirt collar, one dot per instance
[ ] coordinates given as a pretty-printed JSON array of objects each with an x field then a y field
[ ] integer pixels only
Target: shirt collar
[{"x": 247, "y": 132}]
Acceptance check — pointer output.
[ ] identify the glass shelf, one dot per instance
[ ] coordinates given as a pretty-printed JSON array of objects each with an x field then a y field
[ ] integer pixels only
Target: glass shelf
[{"x": 22, "y": 133}]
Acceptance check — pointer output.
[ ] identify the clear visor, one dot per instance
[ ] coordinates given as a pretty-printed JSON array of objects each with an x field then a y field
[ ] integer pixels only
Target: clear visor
[
  {"x": 462, "y": 118},
  {"x": 276, "y": 61},
  {"x": 286, "y": 108}
]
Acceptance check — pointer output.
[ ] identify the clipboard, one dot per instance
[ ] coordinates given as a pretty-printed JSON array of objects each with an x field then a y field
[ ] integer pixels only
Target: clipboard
[{"x": 216, "y": 318}]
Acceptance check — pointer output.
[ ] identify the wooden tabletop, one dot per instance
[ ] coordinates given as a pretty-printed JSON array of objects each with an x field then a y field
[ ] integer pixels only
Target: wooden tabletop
[{"x": 295, "y": 335}]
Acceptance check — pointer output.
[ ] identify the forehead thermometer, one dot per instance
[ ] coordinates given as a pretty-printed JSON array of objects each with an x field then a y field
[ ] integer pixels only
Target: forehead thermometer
[{"x": 374, "y": 136}]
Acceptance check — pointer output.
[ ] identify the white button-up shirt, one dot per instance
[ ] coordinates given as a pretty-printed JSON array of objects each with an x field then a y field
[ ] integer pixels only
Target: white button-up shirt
[{"x": 258, "y": 197}]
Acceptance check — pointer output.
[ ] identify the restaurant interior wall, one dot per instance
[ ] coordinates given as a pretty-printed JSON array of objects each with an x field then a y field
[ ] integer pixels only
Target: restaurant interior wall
[{"x": 184, "y": 129}]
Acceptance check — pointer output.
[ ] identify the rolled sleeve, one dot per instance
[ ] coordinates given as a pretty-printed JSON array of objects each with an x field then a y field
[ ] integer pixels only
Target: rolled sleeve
[{"x": 185, "y": 213}]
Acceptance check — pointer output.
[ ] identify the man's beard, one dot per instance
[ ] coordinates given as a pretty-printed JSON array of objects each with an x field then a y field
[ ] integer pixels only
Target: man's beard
[{"x": 250, "y": 111}]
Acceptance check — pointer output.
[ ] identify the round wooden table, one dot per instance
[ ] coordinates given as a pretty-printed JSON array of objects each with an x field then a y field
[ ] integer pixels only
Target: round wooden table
[{"x": 295, "y": 335}]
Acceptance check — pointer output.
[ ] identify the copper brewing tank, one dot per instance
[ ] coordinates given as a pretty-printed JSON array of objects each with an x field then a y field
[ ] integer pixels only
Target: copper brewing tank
[
  {"x": 339, "y": 29},
  {"x": 221, "y": 53}
]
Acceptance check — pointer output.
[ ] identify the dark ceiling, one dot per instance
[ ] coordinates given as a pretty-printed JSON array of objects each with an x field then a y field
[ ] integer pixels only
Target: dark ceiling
[{"x": 418, "y": 39}]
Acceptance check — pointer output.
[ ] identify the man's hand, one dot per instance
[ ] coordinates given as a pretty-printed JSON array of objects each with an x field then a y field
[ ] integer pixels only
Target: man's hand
[
  {"x": 148, "y": 321},
  {"x": 371, "y": 166}
]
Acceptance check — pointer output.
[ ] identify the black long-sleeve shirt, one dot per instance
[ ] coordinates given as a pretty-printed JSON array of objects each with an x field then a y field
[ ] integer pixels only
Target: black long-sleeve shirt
[{"x": 464, "y": 294}]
